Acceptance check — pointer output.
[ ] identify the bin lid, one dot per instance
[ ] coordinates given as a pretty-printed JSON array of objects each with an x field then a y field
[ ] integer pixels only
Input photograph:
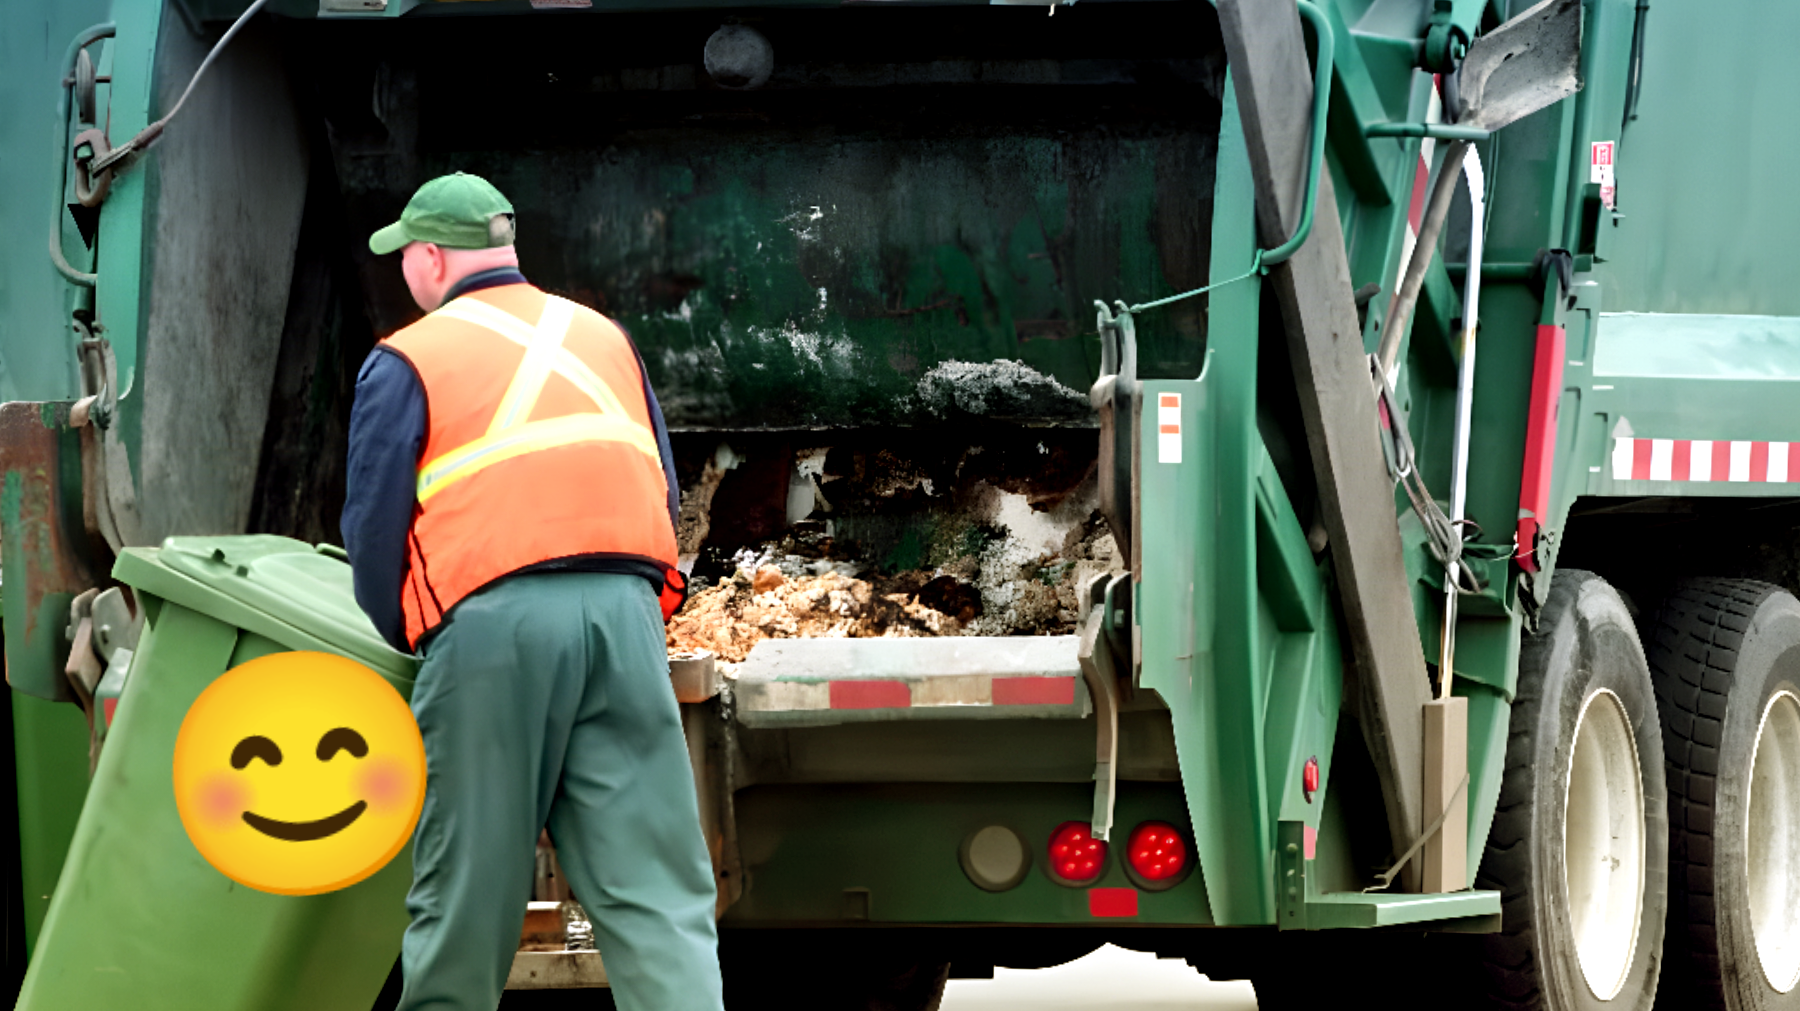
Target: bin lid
[{"x": 287, "y": 590}]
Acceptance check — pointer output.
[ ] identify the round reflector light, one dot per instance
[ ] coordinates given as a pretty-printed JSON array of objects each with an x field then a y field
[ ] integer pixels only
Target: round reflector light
[
  {"x": 1076, "y": 857},
  {"x": 1157, "y": 854}
]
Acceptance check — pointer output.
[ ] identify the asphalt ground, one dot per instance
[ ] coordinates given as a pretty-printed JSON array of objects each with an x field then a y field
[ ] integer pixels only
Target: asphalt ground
[{"x": 1111, "y": 978}]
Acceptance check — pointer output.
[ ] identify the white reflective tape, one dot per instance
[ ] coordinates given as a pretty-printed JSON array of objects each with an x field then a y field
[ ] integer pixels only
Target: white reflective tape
[
  {"x": 1168, "y": 428},
  {"x": 783, "y": 696},
  {"x": 1621, "y": 459},
  {"x": 1700, "y": 460},
  {"x": 954, "y": 690},
  {"x": 1740, "y": 462},
  {"x": 1662, "y": 459}
]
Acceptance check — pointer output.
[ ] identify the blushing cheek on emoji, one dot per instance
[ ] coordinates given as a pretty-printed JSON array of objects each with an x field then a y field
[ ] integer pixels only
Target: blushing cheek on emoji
[
  {"x": 223, "y": 800},
  {"x": 299, "y": 773}
]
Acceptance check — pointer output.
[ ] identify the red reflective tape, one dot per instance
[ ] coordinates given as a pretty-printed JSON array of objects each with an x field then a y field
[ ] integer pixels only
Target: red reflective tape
[
  {"x": 1311, "y": 836},
  {"x": 1721, "y": 461},
  {"x": 1034, "y": 691},
  {"x": 1681, "y": 461},
  {"x": 1793, "y": 462},
  {"x": 1759, "y": 461},
  {"x": 1169, "y": 400},
  {"x": 110, "y": 705},
  {"x": 870, "y": 695},
  {"x": 1112, "y": 902},
  {"x": 1540, "y": 440},
  {"x": 1169, "y": 429},
  {"x": 1415, "y": 212},
  {"x": 1640, "y": 459}
]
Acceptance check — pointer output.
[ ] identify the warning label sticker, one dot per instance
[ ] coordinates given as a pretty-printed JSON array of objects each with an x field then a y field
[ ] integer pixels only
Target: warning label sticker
[
  {"x": 1168, "y": 428},
  {"x": 1600, "y": 170}
]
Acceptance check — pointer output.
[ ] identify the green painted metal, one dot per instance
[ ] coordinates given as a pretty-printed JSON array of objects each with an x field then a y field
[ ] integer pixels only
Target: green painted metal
[
  {"x": 50, "y": 753},
  {"x": 1305, "y": 907},
  {"x": 1197, "y": 643},
  {"x": 1439, "y": 131},
  {"x": 774, "y": 284},
  {"x": 805, "y": 847},
  {"x": 138, "y": 901}
]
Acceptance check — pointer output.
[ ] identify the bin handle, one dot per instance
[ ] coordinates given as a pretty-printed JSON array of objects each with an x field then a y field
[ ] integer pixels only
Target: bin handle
[{"x": 332, "y": 551}]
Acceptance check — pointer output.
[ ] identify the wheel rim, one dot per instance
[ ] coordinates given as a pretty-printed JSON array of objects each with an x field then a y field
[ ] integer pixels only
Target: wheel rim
[
  {"x": 1773, "y": 842},
  {"x": 1603, "y": 843}
]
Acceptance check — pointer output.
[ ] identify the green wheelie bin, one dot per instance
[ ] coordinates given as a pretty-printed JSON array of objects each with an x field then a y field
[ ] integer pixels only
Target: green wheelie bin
[{"x": 139, "y": 919}]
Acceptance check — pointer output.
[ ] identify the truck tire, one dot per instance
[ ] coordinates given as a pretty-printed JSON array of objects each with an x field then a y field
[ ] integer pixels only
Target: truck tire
[
  {"x": 1579, "y": 846},
  {"x": 1725, "y": 655}
]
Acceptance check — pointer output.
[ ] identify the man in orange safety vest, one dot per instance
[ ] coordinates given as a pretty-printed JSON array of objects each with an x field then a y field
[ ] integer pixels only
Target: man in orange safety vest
[{"x": 509, "y": 515}]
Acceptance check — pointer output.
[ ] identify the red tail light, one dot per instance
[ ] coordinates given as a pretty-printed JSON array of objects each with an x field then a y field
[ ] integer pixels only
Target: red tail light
[
  {"x": 1076, "y": 857},
  {"x": 1157, "y": 854}
]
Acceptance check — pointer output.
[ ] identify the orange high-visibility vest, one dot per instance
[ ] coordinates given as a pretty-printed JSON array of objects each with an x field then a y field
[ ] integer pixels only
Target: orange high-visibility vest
[{"x": 539, "y": 446}]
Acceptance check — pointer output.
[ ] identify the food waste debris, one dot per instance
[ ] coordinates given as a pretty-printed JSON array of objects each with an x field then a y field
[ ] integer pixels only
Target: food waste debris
[{"x": 1000, "y": 591}]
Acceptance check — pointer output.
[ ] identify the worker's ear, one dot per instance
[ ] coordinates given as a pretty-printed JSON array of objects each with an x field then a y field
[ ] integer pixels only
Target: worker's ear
[{"x": 435, "y": 260}]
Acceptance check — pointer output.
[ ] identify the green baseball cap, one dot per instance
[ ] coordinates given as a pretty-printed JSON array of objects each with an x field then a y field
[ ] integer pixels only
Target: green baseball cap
[{"x": 458, "y": 211}]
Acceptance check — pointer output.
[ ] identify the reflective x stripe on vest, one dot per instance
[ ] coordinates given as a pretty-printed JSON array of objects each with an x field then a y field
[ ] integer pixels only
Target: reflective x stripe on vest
[{"x": 509, "y": 435}]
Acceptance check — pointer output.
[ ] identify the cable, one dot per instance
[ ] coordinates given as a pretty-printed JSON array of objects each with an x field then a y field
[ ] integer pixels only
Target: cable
[{"x": 149, "y": 134}]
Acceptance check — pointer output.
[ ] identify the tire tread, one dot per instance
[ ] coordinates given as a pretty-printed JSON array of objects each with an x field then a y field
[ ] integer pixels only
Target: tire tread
[{"x": 1693, "y": 654}]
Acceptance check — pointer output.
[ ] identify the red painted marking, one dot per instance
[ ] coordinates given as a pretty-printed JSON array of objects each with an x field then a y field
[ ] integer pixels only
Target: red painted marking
[
  {"x": 1640, "y": 459},
  {"x": 1112, "y": 902},
  {"x": 1540, "y": 440},
  {"x": 1034, "y": 691},
  {"x": 1169, "y": 400},
  {"x": 111, "y": 706},
  {"x": 1759, "y": 461},
  {"x": 1311, "y": 835},
  {"x": 1681, "y": 462},
  {"x": 1169, "y": 429},
  {"x": 1721, "y": 460},
  {"x": 1415, "y": 212},
  {"x": 870, "y": 695}
]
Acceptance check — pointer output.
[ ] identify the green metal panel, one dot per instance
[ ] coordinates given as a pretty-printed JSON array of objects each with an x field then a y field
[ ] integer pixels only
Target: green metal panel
[
  {"x": 36, "y": 348},
  {"x": 804, "y": 847},
  {"x": 1705, "y": 172},
  {"x": 1197, "y": 605},
  {"x": 50, "y": 747},
  {"x": 1305, "y": 907}
]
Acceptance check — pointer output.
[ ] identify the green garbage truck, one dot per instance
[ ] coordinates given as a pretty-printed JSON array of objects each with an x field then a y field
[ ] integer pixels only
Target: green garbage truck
[{"x": 1306, "y": 488}]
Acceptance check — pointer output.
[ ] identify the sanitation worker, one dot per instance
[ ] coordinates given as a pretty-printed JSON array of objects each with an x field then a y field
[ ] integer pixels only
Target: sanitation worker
[{"x": 510, "y": 516}]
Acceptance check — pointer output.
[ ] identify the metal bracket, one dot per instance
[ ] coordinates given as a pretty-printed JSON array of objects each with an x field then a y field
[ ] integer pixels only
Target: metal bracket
[
  {"x": 1101, "y": 673},
  {"x": 1454, "y": 24},
  {"x": 1114, "y": 396}
]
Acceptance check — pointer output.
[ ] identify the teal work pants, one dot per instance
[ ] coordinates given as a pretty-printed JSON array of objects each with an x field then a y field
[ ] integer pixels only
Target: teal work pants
[{"x": 547, "y": 701}]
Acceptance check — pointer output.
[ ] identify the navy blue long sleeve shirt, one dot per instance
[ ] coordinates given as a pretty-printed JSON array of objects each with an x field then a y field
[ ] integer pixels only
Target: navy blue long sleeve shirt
[{"x": 388, "y": 424}]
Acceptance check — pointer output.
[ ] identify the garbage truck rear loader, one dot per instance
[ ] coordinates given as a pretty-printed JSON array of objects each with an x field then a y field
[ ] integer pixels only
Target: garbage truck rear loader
[{"x": 1293, "y": 487}]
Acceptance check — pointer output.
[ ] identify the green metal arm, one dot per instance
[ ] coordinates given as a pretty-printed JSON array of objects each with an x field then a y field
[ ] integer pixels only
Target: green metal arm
[
  {"x": 1316, "y": 162},
  {"x": 1439, "y": 131}
]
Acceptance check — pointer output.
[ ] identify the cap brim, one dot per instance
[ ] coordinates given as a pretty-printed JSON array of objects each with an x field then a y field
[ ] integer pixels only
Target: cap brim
[{"x": 391, "y": 239}]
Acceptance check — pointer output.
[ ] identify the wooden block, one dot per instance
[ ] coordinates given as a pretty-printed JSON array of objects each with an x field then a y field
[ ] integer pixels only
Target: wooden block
[{"x": 1446, "y": 855}]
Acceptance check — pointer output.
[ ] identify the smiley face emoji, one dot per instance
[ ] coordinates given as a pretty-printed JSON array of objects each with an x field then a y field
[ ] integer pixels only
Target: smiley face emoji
[{"x": 299, "y": 773}]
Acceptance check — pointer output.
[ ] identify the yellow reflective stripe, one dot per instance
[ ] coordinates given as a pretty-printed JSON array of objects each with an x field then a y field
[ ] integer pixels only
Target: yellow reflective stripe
[
  {"x": 522, "y": 393},
  {"x": 563, "y": 362},
  {"x": 530, "y": 437}
]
